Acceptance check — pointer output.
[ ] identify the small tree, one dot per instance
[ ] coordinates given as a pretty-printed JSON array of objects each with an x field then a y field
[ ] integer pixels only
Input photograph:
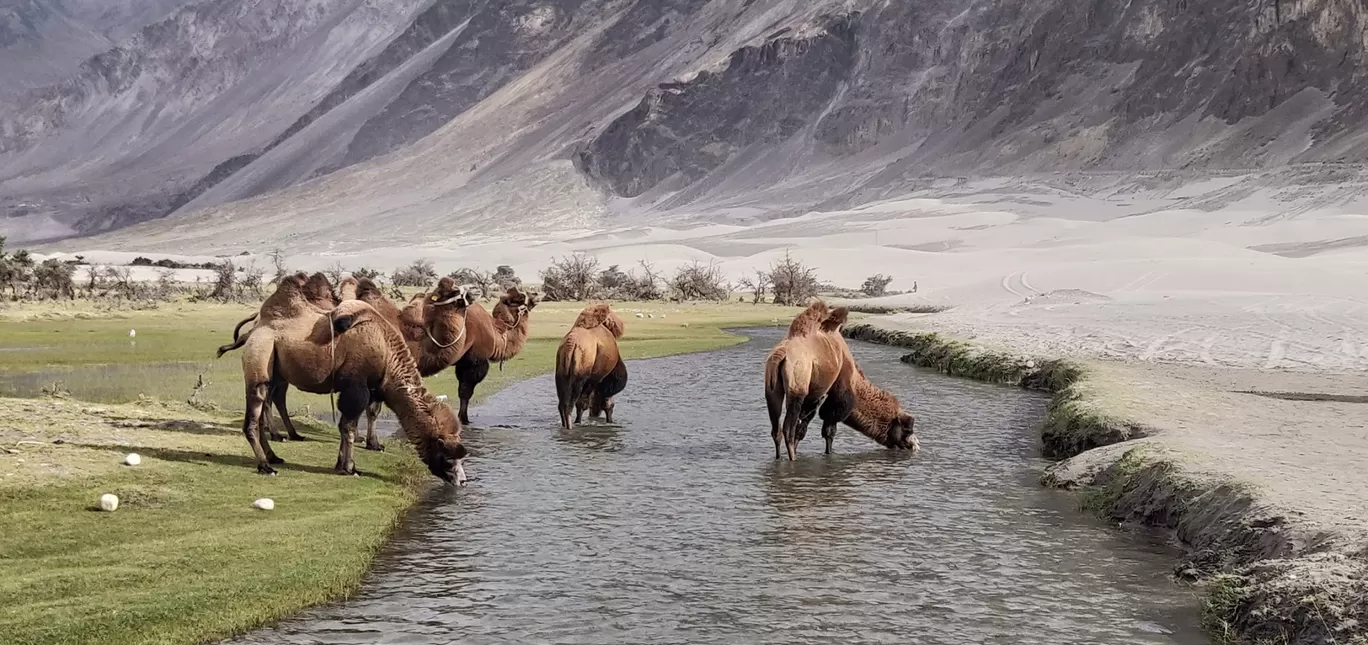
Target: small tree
[
  {"x": 419, "y": 274},
  {"x": 571, "y": 278},
  {"x": 793, "y": 282},
  {"x": 16, "y": 269},
  {"x": 166, "y": 284},
  {"x": 484, "y": 281},
  {"x": 699, "y": 281},
  {"x": 876, "y": 285},
  {"x": 278, "y": 265},
  {"x": 119, "y": 281}
]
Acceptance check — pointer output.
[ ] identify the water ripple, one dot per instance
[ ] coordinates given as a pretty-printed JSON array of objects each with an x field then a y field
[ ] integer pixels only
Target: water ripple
[{"x": 680, "y": 527}]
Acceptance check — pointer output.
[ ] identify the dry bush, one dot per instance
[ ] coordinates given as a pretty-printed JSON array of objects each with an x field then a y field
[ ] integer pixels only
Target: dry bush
[
  {"x": 368, "y": 273},
  {"x": 225, "y": 281},
  {"x": 335, "y": 272},
  {"x": 484, "y": 281},
  {"x": 278, "y": 266},
  {"x": 876, "y": 285},
  {"x": 419, "y": 274},
  {"x": 53, "y": 279},
  {"x": 504, "y": 277},
  {"x": 758, "y": 286},
  {"x": 571, "y": 278},
  {"x": 794, "y": 283},
  {"x": 641, "y": 285},
  {"x": 252, "y": 279},
  {"x": 699, "y": 281}
]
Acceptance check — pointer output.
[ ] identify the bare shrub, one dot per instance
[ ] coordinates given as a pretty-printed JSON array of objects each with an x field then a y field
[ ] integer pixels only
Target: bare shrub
[
  {"x": 225, "y": 281},
  {"x": 484, "y": 281},
  {"x": 640, "y": 285},
  {"x": 876, "y": 285},
  {"x": 699, "y": 281},
  {"x": 419, "y": 274},
  {"x": 368, "y": 273},
  {"x": 16, "y": 269},
  {"x": 53, "y": 279},
  {"x": 758, "y": 286},
  {"x": 571, "y": 278},
  {"x": 118, "y": 282},
  {"x": 278, "y": 265},
  {"x": 335, "y": 271},
  {"x": 166, "y": 284},
  {"x": 794, "y": 283},
  {"x": 504, "y": 277},
  {"x": 252, "y": 278}
]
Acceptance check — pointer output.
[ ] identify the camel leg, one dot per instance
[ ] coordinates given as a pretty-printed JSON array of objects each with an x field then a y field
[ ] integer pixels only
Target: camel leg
[
  {"x": 470, "y": 372},
  {"x": 373, "y": 411},
  {"x": 608, "y": 411},
  {"x": 352, "y": 400},
  {"x": 792, "y": 417},
  {"x": 774, "y": 402},
  {"x": 278, "y": 389},
  {"x": 828, "y": 434},
  {"x": 569, "y": 392},
  {"x": 251, "y": 426}
]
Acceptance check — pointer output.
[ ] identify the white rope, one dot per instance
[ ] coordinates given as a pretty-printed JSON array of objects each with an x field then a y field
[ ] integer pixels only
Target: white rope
[{"x": 458, "y": 336}]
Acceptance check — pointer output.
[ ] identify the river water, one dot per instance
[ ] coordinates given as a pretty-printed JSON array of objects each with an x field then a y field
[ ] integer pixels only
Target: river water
[{"x": 680, "y": 527}]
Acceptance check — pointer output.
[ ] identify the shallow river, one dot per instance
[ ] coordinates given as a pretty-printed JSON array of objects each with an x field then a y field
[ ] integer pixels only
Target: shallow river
[{"x": 680, "y": 527}]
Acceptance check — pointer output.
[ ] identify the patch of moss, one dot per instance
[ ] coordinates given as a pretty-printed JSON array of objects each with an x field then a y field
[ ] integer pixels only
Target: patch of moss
[{"x": 1223, "y": 595}]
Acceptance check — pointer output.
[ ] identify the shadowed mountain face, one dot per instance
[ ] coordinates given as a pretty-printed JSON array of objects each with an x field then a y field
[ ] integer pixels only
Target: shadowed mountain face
[{"x": 636, "y": 107}]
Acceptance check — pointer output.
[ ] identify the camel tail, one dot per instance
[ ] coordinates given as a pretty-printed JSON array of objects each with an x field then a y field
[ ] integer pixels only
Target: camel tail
[
  {"x": 238, "y": 341},
  {"x": 774, "y": 370}
]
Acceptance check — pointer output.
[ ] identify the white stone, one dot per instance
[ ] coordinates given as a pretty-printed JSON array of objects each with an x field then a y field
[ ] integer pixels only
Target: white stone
[
  {"x": 640, "y": 315},
  {"x": 132, "y": 459},
  {"x": 264, "y": 504},
  {"x": 109, "y": 502},
  {"x": 132, "y": 333}
]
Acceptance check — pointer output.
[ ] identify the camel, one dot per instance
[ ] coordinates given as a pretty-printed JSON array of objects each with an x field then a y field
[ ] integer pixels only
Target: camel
[
  {"x": 316, "y": 291},
  {"x": 801, "y": 370},
  {"x": 600, "y": 400},
  {"x": 352, "y": 351},
  {"x": 493, "y": 337},
  {"x": 586, "y": 358}
]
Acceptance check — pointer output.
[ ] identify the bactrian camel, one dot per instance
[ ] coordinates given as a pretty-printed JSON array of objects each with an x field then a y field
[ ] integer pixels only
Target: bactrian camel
[
  {"x": 812, "y": 372},
  {"x": 352, "y": 351},
  {"x": 318, "y": 292},
  {"x": 587, "y": 358}
]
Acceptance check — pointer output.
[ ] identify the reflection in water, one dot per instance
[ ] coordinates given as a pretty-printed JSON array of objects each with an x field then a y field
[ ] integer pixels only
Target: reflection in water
[{"x": 680, "y": 527}]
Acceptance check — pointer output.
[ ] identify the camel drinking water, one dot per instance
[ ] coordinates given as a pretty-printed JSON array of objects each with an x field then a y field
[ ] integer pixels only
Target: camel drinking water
[
  {"x": 352, "y": 351},
  {"x": 589, "y": 367}
]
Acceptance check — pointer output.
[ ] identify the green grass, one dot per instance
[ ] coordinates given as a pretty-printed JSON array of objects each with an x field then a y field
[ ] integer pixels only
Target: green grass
[{"x": 186, "y": 559}]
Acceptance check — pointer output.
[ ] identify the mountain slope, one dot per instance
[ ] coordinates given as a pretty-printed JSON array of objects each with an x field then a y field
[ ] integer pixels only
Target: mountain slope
[{"x": 576, "y": 112}]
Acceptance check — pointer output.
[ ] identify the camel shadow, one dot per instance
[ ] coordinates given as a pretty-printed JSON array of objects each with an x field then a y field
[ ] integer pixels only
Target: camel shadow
[
  {"x": 188, "y": 427},
  {"x": 199, "y": 458}
]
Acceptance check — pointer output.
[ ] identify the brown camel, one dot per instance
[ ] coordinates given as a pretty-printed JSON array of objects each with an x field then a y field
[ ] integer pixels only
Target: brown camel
[
  {"x": 355, "y": 353},
  {"x": 801, "y": 369},
  {"x": 586, "y": 358},
  {"x": 447, "y": 316},
  {"x": 868, "y": 409},
  {"x": 495, "y": 337},
  {"x": 316, "y": 291}
]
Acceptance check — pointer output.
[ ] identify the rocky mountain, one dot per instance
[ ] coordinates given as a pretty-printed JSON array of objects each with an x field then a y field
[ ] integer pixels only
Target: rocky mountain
[{"x": 424, "y": 119}]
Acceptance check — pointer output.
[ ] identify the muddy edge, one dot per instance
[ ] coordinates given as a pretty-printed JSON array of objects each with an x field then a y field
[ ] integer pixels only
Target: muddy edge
[{"x": 1263, "y": 577}]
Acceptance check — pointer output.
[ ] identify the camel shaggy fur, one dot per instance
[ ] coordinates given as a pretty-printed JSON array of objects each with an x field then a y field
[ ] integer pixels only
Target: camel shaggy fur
[
  {"x": 352, "y": 351},
  {"x": 800, "y": 371},
  {"x": 870, "y": 410},
  {"x": 587, "y": 358}
]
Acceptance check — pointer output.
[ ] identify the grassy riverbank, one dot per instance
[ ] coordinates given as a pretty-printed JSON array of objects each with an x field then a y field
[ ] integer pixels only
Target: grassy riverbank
[
  {"x": 1265, "y": 577},
  {"x": 186, "y": 559}
]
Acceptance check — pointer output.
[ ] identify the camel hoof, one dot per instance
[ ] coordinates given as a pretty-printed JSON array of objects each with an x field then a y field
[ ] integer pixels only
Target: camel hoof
[
  {"x": 274, "y": 460},
  {"x": 376, "y": 447},
  {"x": 345, "y": 471},
  {"x": 295, "y": 437},
  {"x": 263, "y": 469}
]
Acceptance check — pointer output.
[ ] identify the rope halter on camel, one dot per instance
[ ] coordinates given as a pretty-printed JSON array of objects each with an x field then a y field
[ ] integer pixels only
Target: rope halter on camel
[{"x": 459, "y": 336}]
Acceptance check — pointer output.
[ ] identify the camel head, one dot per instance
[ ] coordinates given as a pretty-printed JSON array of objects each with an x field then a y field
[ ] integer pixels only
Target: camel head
[
  {"x": 519, "y": 301},
  {"x": 443, "y": 450},
  {"x": 900, "y": 432},
  {"x": 448, "y": 293}
]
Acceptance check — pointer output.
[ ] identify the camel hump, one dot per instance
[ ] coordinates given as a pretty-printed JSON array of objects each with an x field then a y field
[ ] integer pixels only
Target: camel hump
[
  {"x": 811, "y": 319},
  {"x": 601, "y": 314},
  {"x": 835, "y": 319}
]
